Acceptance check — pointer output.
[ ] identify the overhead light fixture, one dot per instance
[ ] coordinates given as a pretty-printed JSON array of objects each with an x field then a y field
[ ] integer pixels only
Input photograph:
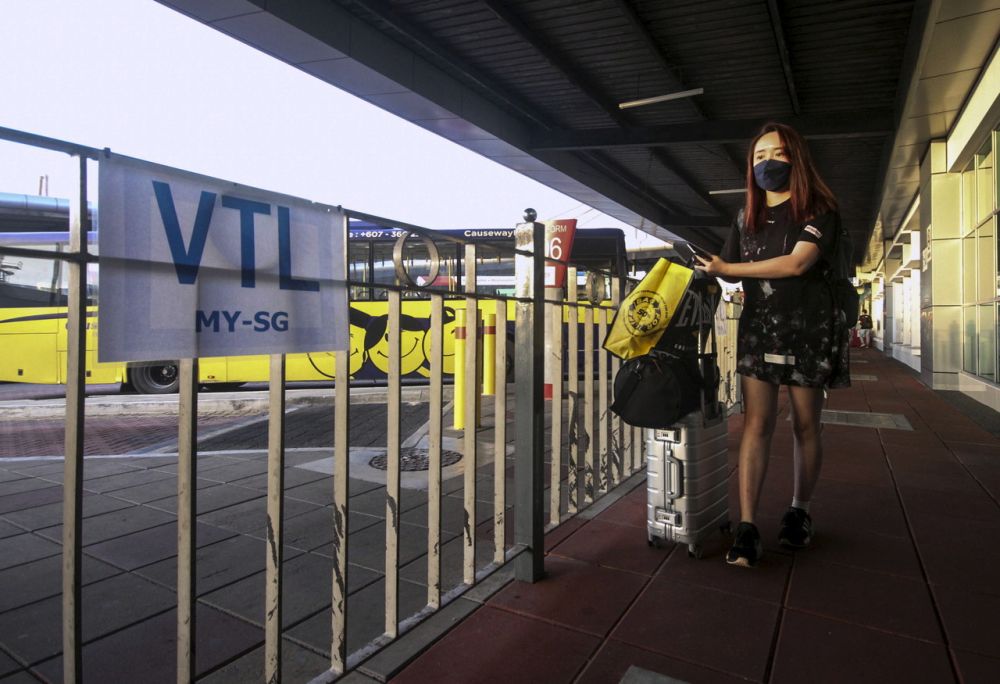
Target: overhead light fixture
[
  {"x": 730, "y": 191},
  {"x": 661, "y": 98}
]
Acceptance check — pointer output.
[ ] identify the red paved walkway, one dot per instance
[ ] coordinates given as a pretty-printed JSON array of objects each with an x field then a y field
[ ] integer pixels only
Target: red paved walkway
[{"x": 902, "y": 583}]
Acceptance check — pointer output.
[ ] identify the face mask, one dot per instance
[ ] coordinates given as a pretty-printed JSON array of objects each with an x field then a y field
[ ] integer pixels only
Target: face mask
[{"x": 772, "y": 174}]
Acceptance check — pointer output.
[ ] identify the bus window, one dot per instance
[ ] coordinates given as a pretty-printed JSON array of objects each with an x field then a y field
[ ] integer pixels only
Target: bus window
[
  {"x": 494, "y": 271},
  {"x": 358, "y": 269},
  {"x": 384, "y": 270},
  {"x": 28, "y": 282},
  {"x": 416, "y": 261}
]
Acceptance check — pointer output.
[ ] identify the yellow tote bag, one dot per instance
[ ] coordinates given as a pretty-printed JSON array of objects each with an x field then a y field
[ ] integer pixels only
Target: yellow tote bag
[{"x": 647, "y": 310}]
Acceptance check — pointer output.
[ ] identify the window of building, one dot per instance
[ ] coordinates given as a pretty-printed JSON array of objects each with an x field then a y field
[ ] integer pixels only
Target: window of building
[{"x": 980, "y": 281}]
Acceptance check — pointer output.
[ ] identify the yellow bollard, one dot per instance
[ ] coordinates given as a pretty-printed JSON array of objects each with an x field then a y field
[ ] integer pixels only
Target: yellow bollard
[
  {"x": 458, "y": 415},
  {"x": 489, "y": 355}
]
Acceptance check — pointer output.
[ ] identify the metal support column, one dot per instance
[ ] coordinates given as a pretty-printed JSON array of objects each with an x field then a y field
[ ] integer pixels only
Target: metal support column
[{"x": 529, "y": 404}]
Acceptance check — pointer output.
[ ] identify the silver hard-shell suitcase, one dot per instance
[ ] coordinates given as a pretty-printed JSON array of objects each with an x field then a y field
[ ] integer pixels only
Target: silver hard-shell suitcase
[{"x": 687, "y": 480}]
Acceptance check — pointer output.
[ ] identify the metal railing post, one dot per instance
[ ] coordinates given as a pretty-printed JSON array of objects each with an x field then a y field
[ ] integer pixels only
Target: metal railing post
[
  {"x": 573, "y": 392},
  {"x": 341, "y": 516},
  {"x": 434, "y": 445},
  {"x": 617, "y": 432},
  {"x": 275, "y": 518},
  {"x": 529, "y": 353},
  {"x": 393, "y": 443},
  {"x": 604, "y": 477},
  {"x": 187, "y": 518},
  {"x": 555, "y": 460},
  {"x": 470, "y": 400},
  {"x": 76, "y": 368},
  {"x": 500, "y": 437},
  {"x": 341, "y": 492}
]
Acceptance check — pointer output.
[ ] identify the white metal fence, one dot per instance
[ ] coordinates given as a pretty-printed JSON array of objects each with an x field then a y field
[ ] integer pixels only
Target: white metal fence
[{"x": 588, "y": 451}]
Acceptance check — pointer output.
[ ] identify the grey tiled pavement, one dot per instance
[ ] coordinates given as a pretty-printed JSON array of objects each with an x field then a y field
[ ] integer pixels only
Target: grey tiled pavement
[{"x": 129, "y": 538}]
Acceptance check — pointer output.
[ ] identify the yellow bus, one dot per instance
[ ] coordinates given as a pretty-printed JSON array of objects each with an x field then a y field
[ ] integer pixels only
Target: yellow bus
[{"x": 33, "y": 335}]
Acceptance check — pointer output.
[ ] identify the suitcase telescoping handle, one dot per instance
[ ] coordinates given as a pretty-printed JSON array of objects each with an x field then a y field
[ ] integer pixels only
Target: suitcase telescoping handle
[
  {"x": 703, "y": 358},
  {"x": 676, "y": 481}
]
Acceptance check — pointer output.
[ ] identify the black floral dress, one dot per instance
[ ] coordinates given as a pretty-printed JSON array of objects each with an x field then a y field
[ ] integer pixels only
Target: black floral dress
[{"x": 791, "y": 332}]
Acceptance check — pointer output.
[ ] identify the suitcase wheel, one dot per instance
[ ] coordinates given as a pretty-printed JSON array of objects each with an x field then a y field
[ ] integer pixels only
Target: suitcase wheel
[
  {"x": 726, "y": 527},
  {"x": 694, "y": 551}
]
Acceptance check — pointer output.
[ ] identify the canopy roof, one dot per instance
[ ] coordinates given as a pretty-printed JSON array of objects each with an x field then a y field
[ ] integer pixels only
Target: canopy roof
[{"x": 536, "y": 85}]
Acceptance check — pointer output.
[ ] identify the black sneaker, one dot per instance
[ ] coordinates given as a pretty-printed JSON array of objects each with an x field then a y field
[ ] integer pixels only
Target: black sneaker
[
  {"x": 747, "y": 549},
  {"x": 796, "y": 529}
]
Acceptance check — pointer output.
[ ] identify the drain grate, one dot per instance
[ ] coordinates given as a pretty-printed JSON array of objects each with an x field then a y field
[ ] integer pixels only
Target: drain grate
[
  {"x": 412, "y": 459},
  {"x": 892, "y": 421},
  {"x": 862, "y": 377}
]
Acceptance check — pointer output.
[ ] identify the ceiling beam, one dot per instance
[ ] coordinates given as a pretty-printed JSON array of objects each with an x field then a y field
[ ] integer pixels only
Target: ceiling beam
[
  {"x": 642, "y": 33},
  {"x": 593, "y": 92},
  {"x": 786, "y": 63},
  {"x": 457, "y": 64},
  {"x": 607, "y": 177},
  {"x": 596, "y": 162},
  {"x": 655, "y": 48},
  {"x": 383, "y": 11},
  {"x": 866, "y": 123}
]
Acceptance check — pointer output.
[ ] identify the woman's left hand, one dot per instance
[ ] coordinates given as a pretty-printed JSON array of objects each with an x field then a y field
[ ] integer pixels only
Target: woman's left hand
[{"x": 713, "y": 264}]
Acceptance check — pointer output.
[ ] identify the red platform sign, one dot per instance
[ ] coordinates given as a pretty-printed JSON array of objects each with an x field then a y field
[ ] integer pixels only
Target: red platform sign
[{"x": 558, "y": 245}]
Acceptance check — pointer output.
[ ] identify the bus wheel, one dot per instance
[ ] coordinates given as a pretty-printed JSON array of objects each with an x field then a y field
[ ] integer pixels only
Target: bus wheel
[{"x": 155, "y": 378}]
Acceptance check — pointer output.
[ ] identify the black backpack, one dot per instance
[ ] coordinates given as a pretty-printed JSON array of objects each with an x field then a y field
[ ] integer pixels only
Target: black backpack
[
  {"x": 657, "y": 390},
  {"x": 674, "y": 379},
  {"x": 838, "y": 273}
]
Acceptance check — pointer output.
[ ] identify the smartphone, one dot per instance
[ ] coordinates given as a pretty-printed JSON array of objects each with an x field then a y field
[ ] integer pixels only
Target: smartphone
[{"x": 698, "y": 250}]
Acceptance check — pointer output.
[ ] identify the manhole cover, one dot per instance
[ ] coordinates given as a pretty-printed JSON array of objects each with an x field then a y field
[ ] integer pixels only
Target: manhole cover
[{"x": 413, "y": 459}]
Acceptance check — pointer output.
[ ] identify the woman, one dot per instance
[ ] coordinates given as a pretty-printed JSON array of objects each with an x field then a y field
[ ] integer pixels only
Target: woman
[{"x": 790, "y": 331}]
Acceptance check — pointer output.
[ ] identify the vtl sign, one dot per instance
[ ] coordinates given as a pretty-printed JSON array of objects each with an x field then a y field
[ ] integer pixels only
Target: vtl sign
[
  {"x": 196, "y": 266},
  {"x": 187, "y": 259}
]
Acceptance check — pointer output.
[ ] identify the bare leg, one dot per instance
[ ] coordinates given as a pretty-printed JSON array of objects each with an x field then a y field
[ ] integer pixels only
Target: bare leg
[
  {"x": 761, "y": 401},
  {"x": 807, "y": 407}
]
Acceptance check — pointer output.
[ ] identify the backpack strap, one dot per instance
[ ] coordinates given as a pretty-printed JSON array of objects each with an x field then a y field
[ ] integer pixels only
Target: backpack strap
[{"x": 631, "y": 380}]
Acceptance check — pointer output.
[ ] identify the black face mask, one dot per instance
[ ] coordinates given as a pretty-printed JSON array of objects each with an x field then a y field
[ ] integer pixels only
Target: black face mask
[{"x": 772, "y": 174}]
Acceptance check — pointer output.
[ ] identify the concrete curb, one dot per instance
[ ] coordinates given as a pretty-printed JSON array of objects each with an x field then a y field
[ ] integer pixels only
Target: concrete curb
[{"x": 209, "y": 404}]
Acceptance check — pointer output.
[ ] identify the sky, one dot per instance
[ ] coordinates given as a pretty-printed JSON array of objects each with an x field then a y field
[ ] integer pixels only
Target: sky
[{"x": 148, "y": 82}]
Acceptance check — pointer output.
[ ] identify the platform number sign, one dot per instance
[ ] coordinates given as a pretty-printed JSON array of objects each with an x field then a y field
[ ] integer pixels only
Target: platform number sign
[{"x": 558, "y": 243}]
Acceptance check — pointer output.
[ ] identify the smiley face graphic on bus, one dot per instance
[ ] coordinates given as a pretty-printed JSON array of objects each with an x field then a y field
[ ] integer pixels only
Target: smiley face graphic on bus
[{"x": 415, "y": 340}]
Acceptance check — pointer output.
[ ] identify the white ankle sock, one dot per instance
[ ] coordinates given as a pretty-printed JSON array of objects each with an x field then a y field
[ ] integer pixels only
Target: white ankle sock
[{"x": 804, "y": 505}]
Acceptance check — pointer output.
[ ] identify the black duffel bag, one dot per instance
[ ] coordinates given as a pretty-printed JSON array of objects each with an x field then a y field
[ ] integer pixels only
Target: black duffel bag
[{"x": 656, "y": 390}]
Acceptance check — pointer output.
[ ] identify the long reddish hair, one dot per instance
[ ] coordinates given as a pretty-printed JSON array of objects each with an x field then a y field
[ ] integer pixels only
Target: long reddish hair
[{"x": 810, "y": 195}]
